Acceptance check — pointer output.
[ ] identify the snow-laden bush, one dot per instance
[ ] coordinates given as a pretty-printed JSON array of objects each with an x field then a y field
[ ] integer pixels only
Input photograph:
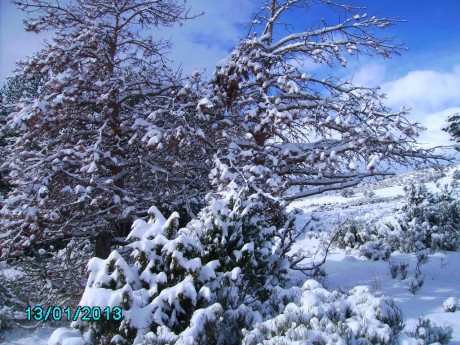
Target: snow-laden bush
[
  {"x": 353, "y": 234},
  {"x": 398, "y": 268},
  {"x": 431, "y": 221},
  {"x": 455, "y": 183},
  {"x": 403, "y": 269},
  {"x": 426, "y": 221},
  {"x": 416, "y": 283},
  {"x": 429, "y": 333},
  {"x": 394, "y": 269},
  {"x": 347, "y": 192},
  {"x": 198, "y": 284},
  {"x": 450, "y": 304},
  {"x": 376, "y": 250},
  {"x": 161, "y": 287},
  {"x": 317, "y": 316},
  {"x": 50, "y": 277},
  {"x": 369, "y": 193}
]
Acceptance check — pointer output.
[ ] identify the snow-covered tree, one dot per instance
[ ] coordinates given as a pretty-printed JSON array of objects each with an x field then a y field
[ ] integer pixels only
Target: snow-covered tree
[
  {"x": 95, "y": 146},
  {"x": 206, "y": 281},
  {"x": 453, "y": 128},
  {"x": 160, "y": 289},
  {"x": 3, "y": 184},
  {"x": 278, "y": 134},
  {"x": 295, "y": 130},
  {"x": 11, "y": 92}
]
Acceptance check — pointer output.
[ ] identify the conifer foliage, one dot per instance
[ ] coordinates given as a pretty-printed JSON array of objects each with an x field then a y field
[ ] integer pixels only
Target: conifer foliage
[
  {"x": 11, "y": 92},
  {"x": 298, "y": 133},
  {"x": 90, "y": 149},
  {"x": 114, "y": 131},
  {"x": 206, "y": 281},
  {"x": 453, "y": 128}
]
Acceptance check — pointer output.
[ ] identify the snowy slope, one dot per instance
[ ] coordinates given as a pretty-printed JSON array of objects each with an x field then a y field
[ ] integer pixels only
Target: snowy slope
[{"x": 345, "y": 270}]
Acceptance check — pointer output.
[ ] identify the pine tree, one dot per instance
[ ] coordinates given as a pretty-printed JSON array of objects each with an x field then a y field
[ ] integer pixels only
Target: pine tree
[
  {"x": 95, "y": 147},
  {"x": 204, "y": 282},
  {"x": 12, "y": 91},
  {"x": 293, "y": 134},
  {"x": 277, "y": 134},
  {"x": 246, "y": 231},
  {"x": 453, "y": 128},
  {"x": 161, "y": 285}
]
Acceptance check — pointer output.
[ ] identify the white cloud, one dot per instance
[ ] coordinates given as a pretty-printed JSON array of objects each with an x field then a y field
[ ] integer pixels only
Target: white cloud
[
  {"x": 425, "y": 91},
  {"x": 370, "y": 75},
  {"x": 432, "y": 97},
  {"x": 204, "y": 41},
  {"x": 434, "y": 122},
  {"x": 200, "y": 43}
]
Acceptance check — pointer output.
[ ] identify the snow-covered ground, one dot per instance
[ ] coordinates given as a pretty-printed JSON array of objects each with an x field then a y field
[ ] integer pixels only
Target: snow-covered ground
[
  {"x": 442, "y": 280},
  {"x": 345, "y": 270},
  {"x": 39, "y": 336}
]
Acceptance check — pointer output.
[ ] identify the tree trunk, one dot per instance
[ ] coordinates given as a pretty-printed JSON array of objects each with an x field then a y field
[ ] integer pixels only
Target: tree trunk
[{"x": 103, "y": 245}]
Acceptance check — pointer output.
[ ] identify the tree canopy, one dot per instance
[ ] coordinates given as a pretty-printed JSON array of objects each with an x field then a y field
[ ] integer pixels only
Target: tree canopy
[
  {"x": 114, "y": 130},
  {"x": 93, "y": 147}
]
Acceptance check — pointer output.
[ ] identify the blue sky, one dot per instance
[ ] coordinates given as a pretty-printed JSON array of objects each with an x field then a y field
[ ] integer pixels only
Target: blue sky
[
  {"x": 432, "y": 32},
  {"x": 425, "y": 78}
]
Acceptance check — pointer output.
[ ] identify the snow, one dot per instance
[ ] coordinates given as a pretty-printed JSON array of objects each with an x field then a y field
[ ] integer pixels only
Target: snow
[
  {"x": 64, "y": 336},
  {"x": 10, "y": 273},
  {"x": 345, "y": 270},
  {"x": 101, "y": 297},
  {"x": 248, "y": 247},
  {"x": 197, "y": 322},
  {"x": 18, "y": 336},
  {"x": 450, "y": 304},
  {"x": 442, "y": 278},
  {"x": 205, "y": 293},
  {"x": 205, "y": 102},
  {"x": 235, "y": 273}
]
